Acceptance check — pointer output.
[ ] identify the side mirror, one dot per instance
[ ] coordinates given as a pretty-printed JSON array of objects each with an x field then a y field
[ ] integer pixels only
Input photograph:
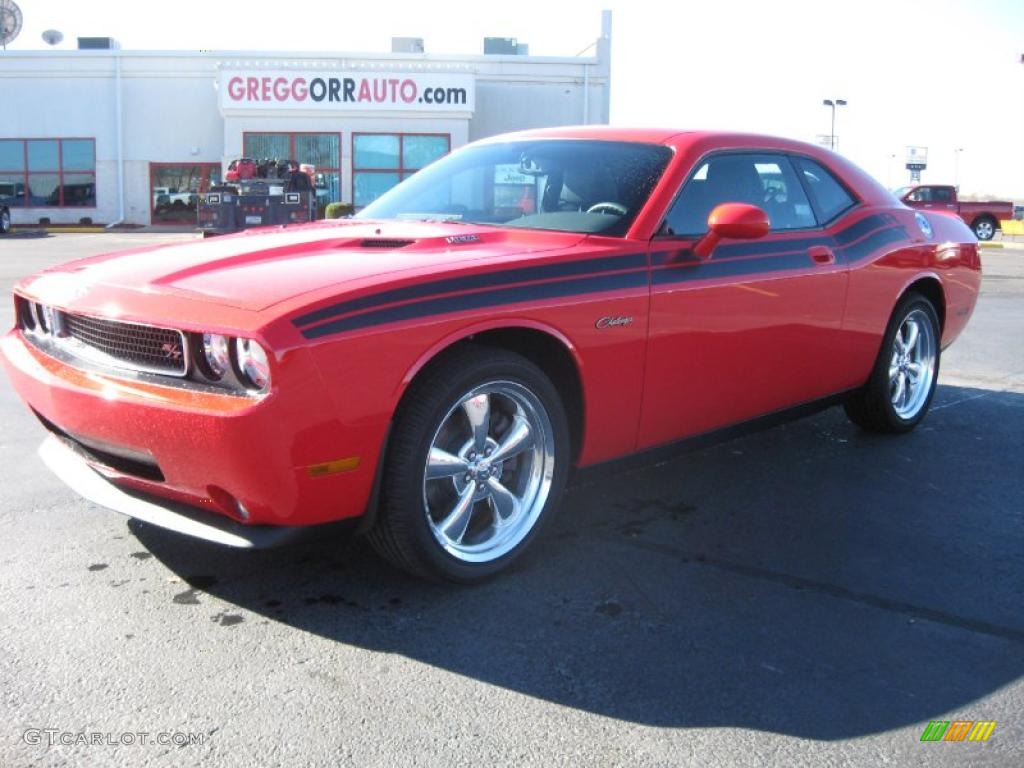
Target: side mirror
[{"x": 735, "y": 221}]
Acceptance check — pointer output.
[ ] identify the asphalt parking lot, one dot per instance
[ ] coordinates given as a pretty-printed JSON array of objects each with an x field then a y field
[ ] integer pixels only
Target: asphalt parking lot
[{"x": 809, "y": 595}]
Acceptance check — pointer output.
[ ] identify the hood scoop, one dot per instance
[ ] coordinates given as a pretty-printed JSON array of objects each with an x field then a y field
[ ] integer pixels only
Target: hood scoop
[{"x": 384, "y": 242}]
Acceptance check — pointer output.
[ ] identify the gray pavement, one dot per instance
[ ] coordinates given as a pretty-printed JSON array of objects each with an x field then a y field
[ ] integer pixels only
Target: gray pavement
[{"x": 810, "y": 595}]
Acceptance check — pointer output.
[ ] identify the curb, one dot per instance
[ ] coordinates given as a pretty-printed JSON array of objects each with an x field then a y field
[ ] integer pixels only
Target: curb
[
  {"x": 1009, "y": 246},
  {"x": 58, "y": 230}
]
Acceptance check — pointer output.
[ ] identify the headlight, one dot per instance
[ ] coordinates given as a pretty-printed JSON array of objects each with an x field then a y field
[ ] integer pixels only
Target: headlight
[
  {"x": 252, "y": 362},
  {"x": 217, "y": 352}
]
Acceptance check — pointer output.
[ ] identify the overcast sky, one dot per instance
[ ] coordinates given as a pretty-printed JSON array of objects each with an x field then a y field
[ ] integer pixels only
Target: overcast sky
[{"x": 935, "y": 73}]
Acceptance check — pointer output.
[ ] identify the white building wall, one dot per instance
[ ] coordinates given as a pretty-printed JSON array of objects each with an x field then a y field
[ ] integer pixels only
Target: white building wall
[{"x": 171, "y": 111}]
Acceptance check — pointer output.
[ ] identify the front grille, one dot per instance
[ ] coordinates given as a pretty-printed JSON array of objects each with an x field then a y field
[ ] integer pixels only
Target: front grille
[{"x": 129, "y": 345}]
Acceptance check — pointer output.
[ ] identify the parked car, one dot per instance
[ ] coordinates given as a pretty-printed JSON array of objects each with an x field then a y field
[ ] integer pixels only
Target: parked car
[
  {"x": 983, "y": 218},
  {"x": 8, "y": 196},
  {"x": 437, "y": 366},
  {"x": 170, "y": 198}
]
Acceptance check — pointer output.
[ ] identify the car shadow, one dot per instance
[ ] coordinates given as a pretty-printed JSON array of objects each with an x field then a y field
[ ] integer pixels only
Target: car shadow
[{"x": 810, "y": 580}]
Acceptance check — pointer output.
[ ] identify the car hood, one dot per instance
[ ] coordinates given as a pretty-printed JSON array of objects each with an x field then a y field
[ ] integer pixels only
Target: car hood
[{"x": 257, "y": 269}]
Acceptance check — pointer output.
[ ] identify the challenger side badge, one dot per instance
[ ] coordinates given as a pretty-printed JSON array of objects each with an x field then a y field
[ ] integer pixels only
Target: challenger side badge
[
  {"x": 460, "y": 239},
  {"x": 613, "y": 322},
  {"x": 924, "y": 225}
]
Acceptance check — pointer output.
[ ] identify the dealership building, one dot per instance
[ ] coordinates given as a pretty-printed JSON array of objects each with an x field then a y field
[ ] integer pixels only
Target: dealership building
[{"x": 113, "y": 135}]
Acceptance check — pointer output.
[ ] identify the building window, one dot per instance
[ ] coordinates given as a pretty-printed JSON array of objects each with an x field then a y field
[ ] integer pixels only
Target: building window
[
  {"x": 48, "y": 173},
  {"x": 175, "y": 189},
  {"x": 381, "y": 160},
  {"x": 321, "y": 150}
]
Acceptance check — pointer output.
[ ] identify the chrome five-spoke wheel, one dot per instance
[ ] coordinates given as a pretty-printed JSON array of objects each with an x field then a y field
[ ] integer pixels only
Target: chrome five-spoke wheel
[
  {"x": 488, "y": 471},
  {"x": 897, "y": 394},
  {"x": 912, "y": 366},
  {"x": 476, "y": 463}
]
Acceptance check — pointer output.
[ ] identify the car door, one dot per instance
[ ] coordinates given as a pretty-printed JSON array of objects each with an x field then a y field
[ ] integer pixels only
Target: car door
[
  {"x": 754, "y": 328},
  {"x": 943, "y": 199}
]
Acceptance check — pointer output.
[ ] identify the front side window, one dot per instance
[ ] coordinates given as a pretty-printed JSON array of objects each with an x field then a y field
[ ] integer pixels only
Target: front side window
[
  {"x": 48, "y": 173},
  {"x": 568, "y": 185},
  {"x": 829, "y": 195},
  {"x": 766, "y": 181},
  {"x": 381, "y": 160}
]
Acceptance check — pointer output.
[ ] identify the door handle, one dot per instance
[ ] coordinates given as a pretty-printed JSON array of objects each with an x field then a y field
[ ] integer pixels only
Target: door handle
[{"x": 821, "y": 254}]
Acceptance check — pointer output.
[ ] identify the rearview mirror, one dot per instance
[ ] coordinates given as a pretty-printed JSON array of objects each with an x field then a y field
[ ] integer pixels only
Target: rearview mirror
[{"x": 735, "y": 221}]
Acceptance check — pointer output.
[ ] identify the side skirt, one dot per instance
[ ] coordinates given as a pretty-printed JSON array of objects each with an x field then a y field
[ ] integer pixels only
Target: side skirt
[{"x": 661, "y": 453}]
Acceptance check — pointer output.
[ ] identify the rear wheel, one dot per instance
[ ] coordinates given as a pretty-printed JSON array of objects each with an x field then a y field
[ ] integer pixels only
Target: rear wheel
[
  {"x": 900, "y": 390},
  {"x": 5, "y": 221},
  {"x": 984, "y": 228},
  {"x": 476, "y": 464}
]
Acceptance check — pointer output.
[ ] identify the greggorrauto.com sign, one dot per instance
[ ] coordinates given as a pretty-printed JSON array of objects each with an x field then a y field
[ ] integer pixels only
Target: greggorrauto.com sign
[{"x": 347, "y": 91}]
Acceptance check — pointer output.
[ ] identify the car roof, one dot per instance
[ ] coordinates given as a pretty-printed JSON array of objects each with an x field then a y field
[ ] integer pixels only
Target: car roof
[{"x": 676, "y": 137}]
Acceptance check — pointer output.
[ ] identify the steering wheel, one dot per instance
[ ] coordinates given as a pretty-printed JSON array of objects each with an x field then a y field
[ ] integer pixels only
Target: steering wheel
[{"x": 616, "y": 208}]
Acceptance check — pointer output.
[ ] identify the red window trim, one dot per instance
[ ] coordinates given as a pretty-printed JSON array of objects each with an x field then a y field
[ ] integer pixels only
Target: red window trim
[
  {"x": 25, "y": 173},
  {"x": 401, "y": 170}
]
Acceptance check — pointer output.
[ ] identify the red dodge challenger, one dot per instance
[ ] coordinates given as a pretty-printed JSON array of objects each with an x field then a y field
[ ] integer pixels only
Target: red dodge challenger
[{"x": 532, "y": 303}]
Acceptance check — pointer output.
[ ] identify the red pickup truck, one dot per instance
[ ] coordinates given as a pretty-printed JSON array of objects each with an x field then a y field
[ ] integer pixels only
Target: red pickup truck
[{"x": 983, "y": 218}]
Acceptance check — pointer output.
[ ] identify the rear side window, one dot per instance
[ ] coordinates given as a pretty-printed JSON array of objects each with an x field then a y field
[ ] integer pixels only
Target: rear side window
[
  {"x": 943, "y": 194},
  {"x": 829, "y": 195}
]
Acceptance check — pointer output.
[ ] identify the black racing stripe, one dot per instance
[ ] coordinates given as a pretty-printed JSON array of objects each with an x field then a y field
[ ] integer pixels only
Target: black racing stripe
[
  {"x": 715, "y": 268},
  {"x": 844, "y": 236},
  {"x": 708, "y": 270},
  {"x": 471, "y": 282},
  {"x": 492, "y": 298},
  {"x": 866, "y": 247},
  {"x": 861, "y": 228},
  {"x": 741, "y": 250}
]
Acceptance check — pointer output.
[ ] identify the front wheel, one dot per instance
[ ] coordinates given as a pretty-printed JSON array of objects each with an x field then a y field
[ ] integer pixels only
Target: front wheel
[
  {"x": 984, "y": 228},
  {"x": 900, "y": 390},
  {"x": 477, "y": 462}
]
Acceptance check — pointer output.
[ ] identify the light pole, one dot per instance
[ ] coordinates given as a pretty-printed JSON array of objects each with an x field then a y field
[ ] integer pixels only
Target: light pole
[
  {"x": 956, "y": 167},
  {"x": 833, "y": 104}
]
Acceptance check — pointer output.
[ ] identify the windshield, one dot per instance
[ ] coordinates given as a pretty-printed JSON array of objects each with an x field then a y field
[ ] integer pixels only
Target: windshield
[
  {"x": 568, "y": 185},
  {"x": 901, "y": 191}
]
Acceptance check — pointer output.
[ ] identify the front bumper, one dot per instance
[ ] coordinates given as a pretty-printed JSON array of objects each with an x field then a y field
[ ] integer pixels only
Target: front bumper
[
  {"x": 77, "y": 474},
  {"x": 250, "y": 460}
]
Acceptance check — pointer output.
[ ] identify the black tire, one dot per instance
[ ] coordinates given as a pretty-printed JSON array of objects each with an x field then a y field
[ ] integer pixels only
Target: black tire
[
  {"x": 5, "y": 221},
  {"x": 402, "y": 532},
  {"x": 984, "y": 227},
  {"x": 872, "y": 408}
]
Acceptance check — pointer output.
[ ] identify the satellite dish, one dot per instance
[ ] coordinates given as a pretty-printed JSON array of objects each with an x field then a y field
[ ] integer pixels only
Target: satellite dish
[
  {"x": 52, "y": 36},
  {"x": 10, "y": 21}
]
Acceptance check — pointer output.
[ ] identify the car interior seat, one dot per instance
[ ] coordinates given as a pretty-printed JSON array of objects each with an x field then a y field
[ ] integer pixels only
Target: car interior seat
[{"x": 587, "y": 185}]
